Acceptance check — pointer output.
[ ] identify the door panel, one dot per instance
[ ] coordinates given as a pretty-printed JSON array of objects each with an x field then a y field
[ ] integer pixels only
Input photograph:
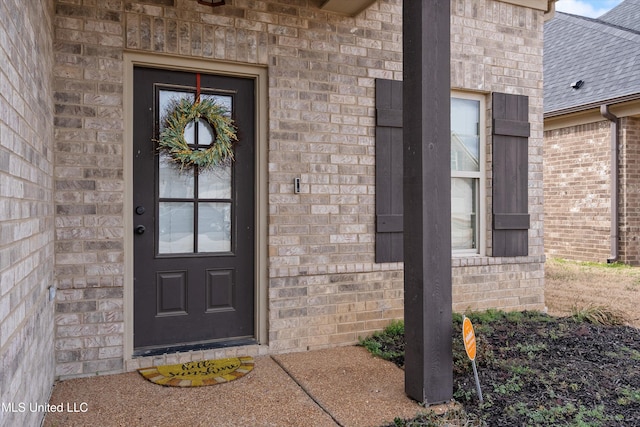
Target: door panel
[{"x": 194, "y": 229}]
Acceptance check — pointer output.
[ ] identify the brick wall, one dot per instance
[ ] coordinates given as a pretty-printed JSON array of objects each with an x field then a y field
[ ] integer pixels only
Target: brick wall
[
  {"x": 324, "y": 287},
  {"x": 505, "y": 283},
  {"x": 577, "y": 192},
  {"x": 26, "y": 208},
  {"x": 577, "y": 187},
  {"x": 89, "y": 186},
  {"x": 629, "y": 199},
  {"x": 498, "y": 47}
]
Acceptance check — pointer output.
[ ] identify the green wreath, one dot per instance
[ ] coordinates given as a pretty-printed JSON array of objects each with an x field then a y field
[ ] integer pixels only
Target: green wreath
[{"x": 184, "y": 112}]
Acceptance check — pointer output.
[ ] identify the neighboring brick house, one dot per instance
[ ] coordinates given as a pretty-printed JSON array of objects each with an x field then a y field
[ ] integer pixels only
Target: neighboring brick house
[
  {"x": 592, "y": 118},
  {"x": 86, "y": 208}
]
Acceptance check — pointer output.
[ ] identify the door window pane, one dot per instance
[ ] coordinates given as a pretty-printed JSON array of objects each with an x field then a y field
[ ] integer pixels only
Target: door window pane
[
  {"x": 215, "y": 182},
  {"x": 223, "y": 100},
  {"x": 214, "y": 227},
  {"x": 175, "y": 231},
  {"x": 210, "y": 189},
  {"x": 463, "y": 213},
  {"x": 174, "y": 181},
  {"x": 167, "y": 101},
  {"x": 206, "y": 134}
]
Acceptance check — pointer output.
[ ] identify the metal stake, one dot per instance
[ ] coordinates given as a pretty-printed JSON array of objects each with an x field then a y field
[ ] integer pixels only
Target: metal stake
[{"x": 475, "y": 375}]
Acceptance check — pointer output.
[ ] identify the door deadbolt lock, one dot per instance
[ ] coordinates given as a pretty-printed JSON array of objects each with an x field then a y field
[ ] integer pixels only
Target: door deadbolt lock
[
  {"x": 140, "y": 229},
  {"x": 140, "y": 210}
]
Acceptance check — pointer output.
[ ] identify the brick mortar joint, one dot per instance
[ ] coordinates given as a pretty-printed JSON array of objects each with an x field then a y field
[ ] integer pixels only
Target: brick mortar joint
[{"x": 479, "y": 261}]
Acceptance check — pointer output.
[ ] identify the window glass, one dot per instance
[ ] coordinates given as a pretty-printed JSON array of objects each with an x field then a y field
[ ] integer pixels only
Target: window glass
[
  {"x": 214, "y": 227},
  {"x": 167, "y": 101},
  {"x": 466, "y": 173},
  {"x": 195, "y": 204},
  {"x": 465, "y": 138},
  {"x": 215, "y": 182},
  {"x": 175, "y": 227},
  {"x": 174, "y": 182},
  {"x": 463, "y": 213}
]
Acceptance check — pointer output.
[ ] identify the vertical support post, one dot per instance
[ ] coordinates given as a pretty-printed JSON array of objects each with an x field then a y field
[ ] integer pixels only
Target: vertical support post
[{"x": 427, "y": 200}]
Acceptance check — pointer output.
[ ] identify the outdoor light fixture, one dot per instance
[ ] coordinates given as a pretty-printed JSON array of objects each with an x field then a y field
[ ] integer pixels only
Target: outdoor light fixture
[{"x": 212, "y": 3}]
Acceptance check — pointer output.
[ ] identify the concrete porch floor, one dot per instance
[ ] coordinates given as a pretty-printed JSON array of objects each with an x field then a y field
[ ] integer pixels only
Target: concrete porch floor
[{"x": 343, "y": 386}]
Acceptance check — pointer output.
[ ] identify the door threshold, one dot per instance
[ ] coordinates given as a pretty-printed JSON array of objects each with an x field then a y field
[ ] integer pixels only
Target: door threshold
[{"x": 211, "y": 345}]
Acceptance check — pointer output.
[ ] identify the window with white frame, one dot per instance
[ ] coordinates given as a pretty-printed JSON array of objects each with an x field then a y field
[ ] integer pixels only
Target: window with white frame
[{"x": 467, "y": 173}]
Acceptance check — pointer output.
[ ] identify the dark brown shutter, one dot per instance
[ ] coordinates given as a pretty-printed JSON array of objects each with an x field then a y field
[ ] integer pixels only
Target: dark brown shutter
[
  {"x": 510, "y": 175},
  {"x": 389, "y": 171}
]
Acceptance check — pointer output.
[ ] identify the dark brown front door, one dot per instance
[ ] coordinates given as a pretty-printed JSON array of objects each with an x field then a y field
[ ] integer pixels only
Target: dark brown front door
[{"x": 193, "y": 228}]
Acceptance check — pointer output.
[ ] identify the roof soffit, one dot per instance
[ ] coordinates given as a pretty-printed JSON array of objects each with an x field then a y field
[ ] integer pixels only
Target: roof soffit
[
  {"x": 353, "y": 7},
  {"x": 545, "y": 5},
  {"x": 346, "y": 7}
]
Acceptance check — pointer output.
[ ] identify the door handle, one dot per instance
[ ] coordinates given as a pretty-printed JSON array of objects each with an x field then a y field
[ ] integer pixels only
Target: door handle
[{"x": 140, "y": 229}]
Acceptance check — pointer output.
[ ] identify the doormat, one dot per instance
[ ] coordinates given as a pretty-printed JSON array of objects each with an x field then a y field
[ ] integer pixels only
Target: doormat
[{"x": 197, "y": 374}]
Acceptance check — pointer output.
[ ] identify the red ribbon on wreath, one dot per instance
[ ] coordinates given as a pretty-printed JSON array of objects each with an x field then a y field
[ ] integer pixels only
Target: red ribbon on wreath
[{"x": 197, "y": 87}]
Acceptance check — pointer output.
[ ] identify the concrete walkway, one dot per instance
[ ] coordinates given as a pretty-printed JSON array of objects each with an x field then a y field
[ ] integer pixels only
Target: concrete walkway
[{"x": 344, "y": 386}]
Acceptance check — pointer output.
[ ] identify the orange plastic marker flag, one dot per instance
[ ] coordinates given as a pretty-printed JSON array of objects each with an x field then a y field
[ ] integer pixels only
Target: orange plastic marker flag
[{"x": 469, "y": 339}]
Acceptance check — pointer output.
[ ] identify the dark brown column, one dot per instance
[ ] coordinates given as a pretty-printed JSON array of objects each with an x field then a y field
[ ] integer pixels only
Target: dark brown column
[{"x": 427, "y": 200}]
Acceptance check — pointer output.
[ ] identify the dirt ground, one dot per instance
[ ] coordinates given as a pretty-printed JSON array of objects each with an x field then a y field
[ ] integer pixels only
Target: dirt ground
[
  {"x": 572, "y": 285},
  {"x": 540, "y": 370}
]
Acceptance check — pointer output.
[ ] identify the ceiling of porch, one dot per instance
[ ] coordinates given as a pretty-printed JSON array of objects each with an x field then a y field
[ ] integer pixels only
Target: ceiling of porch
[{"x": 344, "y": 7}]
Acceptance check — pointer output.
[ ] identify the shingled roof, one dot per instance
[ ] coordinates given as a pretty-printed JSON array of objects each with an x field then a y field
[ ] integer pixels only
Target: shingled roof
[
  {"x": 603, "y": 53},
  {"x": 626, "y": 15}
]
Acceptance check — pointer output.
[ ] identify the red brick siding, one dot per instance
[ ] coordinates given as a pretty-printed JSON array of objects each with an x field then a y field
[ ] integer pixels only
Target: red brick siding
[
  {"x": 576, "y": 192},
  {"x": 629, "y": 202}
]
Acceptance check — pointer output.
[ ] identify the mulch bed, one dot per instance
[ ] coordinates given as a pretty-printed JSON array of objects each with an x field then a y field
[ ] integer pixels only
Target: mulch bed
[{"x": 537, "y": 370}]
